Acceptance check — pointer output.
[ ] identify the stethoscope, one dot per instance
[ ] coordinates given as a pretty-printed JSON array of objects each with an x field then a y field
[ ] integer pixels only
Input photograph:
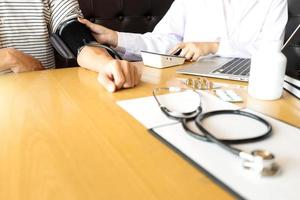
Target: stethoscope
[{"x": 260, "y": 161}]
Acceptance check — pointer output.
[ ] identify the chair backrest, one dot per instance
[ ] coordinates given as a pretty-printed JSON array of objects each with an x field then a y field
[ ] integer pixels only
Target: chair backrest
[
  {"x": 138, "y": 16},
  {"x": 293, "y": 52},
  {"x": 294, "y": 17}
]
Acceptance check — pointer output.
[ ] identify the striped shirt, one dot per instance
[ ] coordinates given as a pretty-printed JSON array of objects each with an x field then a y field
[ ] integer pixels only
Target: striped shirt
[{"x": 26, "y": 24}]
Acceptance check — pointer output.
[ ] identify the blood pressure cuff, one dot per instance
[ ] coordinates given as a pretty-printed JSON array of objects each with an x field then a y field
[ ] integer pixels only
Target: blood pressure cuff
[{"x": 70, "y": 37}]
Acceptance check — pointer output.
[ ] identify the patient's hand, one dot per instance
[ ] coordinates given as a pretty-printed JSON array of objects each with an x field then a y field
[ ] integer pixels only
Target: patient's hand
[
  {"x": 18, "y": 61},
  {"x": 113, "y": 74},
  {"x": 117, "y": 74},
  {"x": 102, "y": 35},
  {"x": 194, "y": 50}
]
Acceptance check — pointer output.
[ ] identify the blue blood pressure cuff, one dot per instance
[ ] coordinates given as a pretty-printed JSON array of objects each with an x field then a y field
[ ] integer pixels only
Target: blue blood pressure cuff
[{"x": 72, "y": 36}]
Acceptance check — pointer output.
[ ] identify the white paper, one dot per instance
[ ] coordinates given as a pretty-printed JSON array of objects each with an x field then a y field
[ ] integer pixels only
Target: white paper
[
  {"x": 284, "y": 143},
  {"x": 147, "y": 111}
]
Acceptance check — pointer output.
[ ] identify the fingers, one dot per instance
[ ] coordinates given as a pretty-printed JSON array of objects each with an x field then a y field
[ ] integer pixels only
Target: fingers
[
  {"x": 85, "y": 22},
  {"x": 15, "y": 69},
  {"x": 197, "y": 55},
  {"x": 184, "y": 52},
  {"x": 133, "y": 71},
  {"x": 189, "y": 55},
  {"x": 107, "y": 82},
  {"x": 101, "y": 33},
  {"x": 132, "y": 75},
  {"x": 128, "y": 74},
  {"x": 39, "y": 67},
  {"x": 22, "y": 62},
  {"x": 111, "y": 76},
  {"x": 93, "y": 27},
  {"x": 175, "y": 49},
  {"x": 137, "y": 76},
  {"x": 191, "y": 51},
  {"x": 118, "y": 74}
]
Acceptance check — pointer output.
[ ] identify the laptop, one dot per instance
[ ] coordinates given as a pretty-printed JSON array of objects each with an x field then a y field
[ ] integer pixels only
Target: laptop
[
  {"x": 228, "y": 68},
  {"x": 219, "y": 67}
]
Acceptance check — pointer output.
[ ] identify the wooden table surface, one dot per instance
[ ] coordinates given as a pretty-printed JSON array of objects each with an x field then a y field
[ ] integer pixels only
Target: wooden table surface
[{"x": 62, "y": 136}]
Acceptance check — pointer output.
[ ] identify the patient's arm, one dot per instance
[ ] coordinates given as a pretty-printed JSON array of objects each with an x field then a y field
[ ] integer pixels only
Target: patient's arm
[
  {"x": 113, "y": 74},
  {"x": 18, "y": 61}
]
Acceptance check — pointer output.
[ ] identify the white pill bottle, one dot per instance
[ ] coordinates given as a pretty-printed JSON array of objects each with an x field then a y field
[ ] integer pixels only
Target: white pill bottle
[{"x": 268, "y": 65}]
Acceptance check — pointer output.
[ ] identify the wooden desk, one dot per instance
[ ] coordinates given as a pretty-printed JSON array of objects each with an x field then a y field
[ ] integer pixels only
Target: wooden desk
[{"x": 62, "y": 136}]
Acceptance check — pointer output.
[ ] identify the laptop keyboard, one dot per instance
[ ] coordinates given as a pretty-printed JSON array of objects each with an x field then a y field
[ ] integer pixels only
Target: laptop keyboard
[{"x": 237, "y": 66}]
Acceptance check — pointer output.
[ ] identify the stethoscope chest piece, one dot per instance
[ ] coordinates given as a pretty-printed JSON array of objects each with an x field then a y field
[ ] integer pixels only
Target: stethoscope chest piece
[{"x": 260, "y": 161}]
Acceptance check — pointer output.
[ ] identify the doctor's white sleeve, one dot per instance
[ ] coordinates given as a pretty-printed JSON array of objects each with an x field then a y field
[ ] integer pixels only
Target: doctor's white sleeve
[
  {"x": 167, "y": 33},
  {"x": 273, "y": 29}
]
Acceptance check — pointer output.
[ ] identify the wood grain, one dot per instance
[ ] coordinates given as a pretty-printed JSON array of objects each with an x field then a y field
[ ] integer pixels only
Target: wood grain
[{"x": 62, "y": 136}]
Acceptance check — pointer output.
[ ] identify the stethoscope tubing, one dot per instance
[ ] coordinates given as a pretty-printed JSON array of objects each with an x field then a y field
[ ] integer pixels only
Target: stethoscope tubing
[
  {"x": 225, "y": 143},
  {"x": 198, "y": 117},
  {"x": 268, "y": 133}
]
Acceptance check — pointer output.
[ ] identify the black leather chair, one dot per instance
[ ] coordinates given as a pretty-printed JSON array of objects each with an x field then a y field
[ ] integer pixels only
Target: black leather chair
[
  {"x": 137, "y": 16},
  {"x": 294, "y": 17},
  {"x": 293, "y": 51}
]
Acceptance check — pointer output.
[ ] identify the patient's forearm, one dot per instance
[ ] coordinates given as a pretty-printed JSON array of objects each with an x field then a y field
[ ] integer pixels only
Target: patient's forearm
[{"x": 93, "y": 58}]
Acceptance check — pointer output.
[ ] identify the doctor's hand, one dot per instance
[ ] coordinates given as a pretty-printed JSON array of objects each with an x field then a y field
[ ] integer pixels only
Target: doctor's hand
[
  {"x": 102, "y": 35},
  {"x": 194, "y": 50},
  {"x": 117, "y": 74},
  {"x": 18, "y": 61}
]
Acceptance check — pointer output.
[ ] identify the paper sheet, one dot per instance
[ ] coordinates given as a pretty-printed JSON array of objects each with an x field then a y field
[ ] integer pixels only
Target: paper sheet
[
  {"x": 226, "y": 167},
  {"x": 147, "y": 111}
]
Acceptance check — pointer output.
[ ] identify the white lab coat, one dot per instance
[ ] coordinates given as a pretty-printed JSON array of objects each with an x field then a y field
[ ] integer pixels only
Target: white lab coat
[{"x": 239, "y": 26}]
